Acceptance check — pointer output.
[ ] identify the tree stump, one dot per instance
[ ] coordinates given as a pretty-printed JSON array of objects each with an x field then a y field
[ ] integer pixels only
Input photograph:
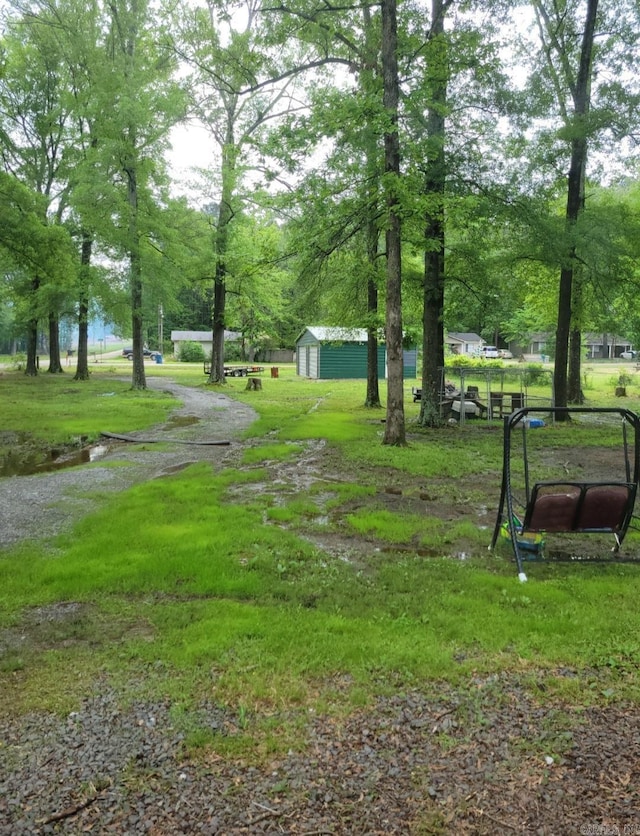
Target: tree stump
[
  {"x": 254, "y": 384},
  {"x": 621, "y": 391}
]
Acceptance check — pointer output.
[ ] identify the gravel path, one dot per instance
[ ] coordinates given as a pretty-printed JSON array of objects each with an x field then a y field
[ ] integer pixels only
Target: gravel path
[{"x": 41, "y": 506}]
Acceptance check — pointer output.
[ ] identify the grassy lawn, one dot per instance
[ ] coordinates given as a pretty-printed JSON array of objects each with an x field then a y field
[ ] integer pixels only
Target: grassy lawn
[
  {"x": 60, "y": 409},
  {"x": 214, "y": 585}
]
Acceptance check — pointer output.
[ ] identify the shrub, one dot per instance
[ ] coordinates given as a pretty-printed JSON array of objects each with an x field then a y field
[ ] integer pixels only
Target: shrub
[
  {"x": 623, "y": 379},
  {"x": 233, "y": 351},
  {"x": 190, "y": 352},
  {"x": 18, "y": 362},
  {"x": 465, "y": 361},
  {"x": 535, "y": 373}
]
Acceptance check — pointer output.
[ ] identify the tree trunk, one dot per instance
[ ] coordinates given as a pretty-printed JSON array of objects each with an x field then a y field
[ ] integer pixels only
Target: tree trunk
[
  {"x": 373, "y": 390},
  {"x": 82, "y": 369},
  {"x": 575, "y": 205},
  {"x": 434, "y": 187},
  {"x": 138, "y": 378},
  {"x": 574, "y": 386},
  {"x": 575, "y": 393},
  {"x": 55, "y": 366},
  {"x": 395, "y": 425},
  {"x": 32, "y": 348},
  {"x": 372, "y": 400},
  {"x": 368, "y": 84},
  {"x": 32, "y": 332},
  {"x": 225, "y": 216},
  {"x": 217, "y": 347},
  {"x": 560, "y": 381}
]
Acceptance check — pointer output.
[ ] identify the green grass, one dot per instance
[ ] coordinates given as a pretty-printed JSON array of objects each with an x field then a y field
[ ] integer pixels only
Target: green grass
[
  {"x": 270, "y": 452},
  {"x": 208, "y": 580},
  {"x": 59, "y": 409},
  {"x": 217, "y": 589}
]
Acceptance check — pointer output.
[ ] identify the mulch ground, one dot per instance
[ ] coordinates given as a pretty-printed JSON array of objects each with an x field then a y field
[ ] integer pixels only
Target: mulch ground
[{"x": 486, "y": 758}]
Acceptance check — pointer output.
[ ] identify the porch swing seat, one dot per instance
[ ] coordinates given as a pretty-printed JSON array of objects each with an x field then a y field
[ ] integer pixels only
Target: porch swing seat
[{"x": 566, "y": 506}]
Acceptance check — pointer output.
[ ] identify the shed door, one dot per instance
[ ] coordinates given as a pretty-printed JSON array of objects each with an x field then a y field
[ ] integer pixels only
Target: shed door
[
  {"x": 302, "y": 360},
  {"x": 312, "y": 361}
]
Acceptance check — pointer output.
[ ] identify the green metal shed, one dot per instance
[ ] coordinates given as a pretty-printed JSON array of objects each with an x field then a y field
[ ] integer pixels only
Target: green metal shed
[
  {"x": 332, "y": 353},
  {"x": 410, "y": 362}
]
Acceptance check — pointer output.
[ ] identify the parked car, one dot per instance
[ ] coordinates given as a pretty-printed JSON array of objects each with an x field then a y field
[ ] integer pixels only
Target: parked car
[
  {"x": 490, "y": 352},
  {"x": 628, "y": 355},
  {"x": 503, "y": 354},
  {"x": 128, "y": 353}
]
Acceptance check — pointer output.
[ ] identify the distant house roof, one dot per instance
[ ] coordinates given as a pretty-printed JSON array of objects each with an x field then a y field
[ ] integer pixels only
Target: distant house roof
[
  {"x": 463, "y": 337},
  {"x": 325, "y": 334},
  {"x": 589, "y": 338},
  {"x": 202, "y": 336},
  {"x": 597, "y": 339}
]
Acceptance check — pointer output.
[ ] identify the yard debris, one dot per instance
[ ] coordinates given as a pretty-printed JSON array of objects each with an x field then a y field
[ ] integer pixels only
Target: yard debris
[{"x": 136, "y": 440}]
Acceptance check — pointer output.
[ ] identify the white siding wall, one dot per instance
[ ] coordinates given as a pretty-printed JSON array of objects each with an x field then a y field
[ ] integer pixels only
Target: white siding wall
[
  {"x": 314, "y": 352},
  {"x": 301, "y": 361}
]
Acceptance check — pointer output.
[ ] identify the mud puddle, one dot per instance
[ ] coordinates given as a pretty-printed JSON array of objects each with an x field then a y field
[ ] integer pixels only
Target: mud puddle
[
  {"x": 26, "y": 460},
  {"x": 181, "y": 421}
]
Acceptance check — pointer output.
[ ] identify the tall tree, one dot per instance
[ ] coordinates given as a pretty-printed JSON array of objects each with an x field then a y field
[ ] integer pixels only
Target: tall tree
[
  {"x": 394, "y": 426},
  {"x": 69, "y": 30},
  {"x": 34, "y": 119},
  {"x": 139, "y": 103},
  {"x": 239, "y": 91},
  {"x": 554, "y": 35},
  {"x": 76, "y": 27},
  {"x": 585, "y": 81},
  {"x": 341, "y": 198},
  {"x": 30, "y": 246},
  {"x": 437, "y": 72},
  {"x": 452, "y": 102},
  {"x": 369, "y": 82},
  {"x": 126, "y": 50}
]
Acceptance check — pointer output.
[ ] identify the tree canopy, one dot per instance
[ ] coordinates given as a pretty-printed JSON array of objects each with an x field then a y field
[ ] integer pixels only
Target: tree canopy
[{"x": 451, "y": 165}]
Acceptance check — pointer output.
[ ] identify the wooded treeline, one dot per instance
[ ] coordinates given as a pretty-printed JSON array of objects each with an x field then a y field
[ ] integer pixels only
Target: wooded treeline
[{"x": 403, "y": 167}]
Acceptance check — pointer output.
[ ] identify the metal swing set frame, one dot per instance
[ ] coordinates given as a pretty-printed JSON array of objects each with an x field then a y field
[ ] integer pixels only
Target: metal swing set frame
[{"x": 566, "y": 506}]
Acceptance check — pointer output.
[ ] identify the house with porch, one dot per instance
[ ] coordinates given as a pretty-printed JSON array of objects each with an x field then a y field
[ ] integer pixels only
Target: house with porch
[
  {"x": 464, "y": 343},
  {"x": 596, "y": 346},
  {"x": 203, "y": 338}
]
